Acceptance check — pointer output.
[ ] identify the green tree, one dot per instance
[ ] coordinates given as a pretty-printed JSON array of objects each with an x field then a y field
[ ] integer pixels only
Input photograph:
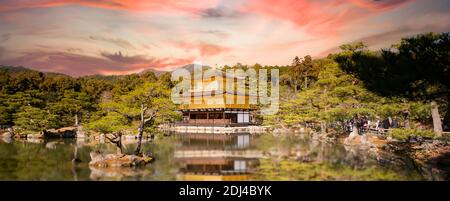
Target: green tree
[
  {"x": 418, "y": 68},
  {"x": 146, "y": 107},
  {"x": 35, "y": 119},
  {"x": 72, "y": 104},
  {"x": 110, "y": 123},
  {"x": 334, "y": 97},
  {"x": 299, "y": 73}
]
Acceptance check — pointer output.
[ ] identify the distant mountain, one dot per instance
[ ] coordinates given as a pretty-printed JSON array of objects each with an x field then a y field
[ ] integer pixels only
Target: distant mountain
[
  {"x": 190, "y": 67},
  {"x": 157, "y": 72},
  {"x": 20, "y": 69},
  {"x": 14, "y": 69}
]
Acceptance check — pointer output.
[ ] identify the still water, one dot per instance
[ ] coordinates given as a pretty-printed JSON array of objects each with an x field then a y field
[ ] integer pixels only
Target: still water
[{"x": 202, "y": 157}]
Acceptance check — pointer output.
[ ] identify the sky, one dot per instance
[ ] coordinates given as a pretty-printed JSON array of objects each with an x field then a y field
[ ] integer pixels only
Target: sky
[{"x": 85, "y": 37}]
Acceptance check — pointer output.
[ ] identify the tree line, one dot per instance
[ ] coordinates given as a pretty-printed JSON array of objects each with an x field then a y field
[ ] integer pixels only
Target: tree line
[{"x": 409, "y": 82}]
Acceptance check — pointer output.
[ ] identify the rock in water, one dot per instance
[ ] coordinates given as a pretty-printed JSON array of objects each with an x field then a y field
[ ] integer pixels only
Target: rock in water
[
  {"x": 118, "y": 160},
  {"x": 352, "y": 137},
  {"x": 7, "y": 140},
  {"x": 66, "y": 132},
  {"x": 35, "y": 136},
  {"x": 7, "y": 135}
]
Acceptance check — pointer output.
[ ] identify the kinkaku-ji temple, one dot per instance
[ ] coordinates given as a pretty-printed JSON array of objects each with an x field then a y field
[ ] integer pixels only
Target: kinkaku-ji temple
[{"x": 218, "y": 104}]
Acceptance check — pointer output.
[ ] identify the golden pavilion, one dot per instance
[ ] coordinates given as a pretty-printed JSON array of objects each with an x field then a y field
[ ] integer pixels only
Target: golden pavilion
[{"x": 218, "y": 101}]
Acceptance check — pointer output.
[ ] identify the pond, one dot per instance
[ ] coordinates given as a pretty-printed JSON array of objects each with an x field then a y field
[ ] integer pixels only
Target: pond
[{"x": 202, "y": 157}]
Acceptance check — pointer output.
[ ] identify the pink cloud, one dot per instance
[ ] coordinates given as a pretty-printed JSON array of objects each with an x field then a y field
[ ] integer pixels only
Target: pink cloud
[
  {"x": 191, "y": 6},
  {"x": 379, "y": 5},
  {"x": 77, "y": 64},
  {"x": 322, "y": 18},
  {"x": 205, "y": 49}
]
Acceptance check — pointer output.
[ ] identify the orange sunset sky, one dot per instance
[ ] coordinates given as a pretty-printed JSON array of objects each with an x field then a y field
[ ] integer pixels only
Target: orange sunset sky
[{"x": 84, "y": 37}]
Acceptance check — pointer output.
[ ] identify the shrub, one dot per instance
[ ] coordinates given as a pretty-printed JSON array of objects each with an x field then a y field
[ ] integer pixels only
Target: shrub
[{"x": 405, "y": 134}]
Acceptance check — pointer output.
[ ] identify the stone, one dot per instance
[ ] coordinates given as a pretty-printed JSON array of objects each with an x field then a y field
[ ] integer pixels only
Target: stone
[
  {"x": 102, "y": 138},
  {"x": 7, "y": 140},
  {"x": 20, "y": 135},
  {"x": 66, "y": 132},
  {"x": 7, "y": 135},
  {"x": 118, "y": 160},
  {"x": 281, "y": 130},
  {"x": 366, "y": 140},
  {"x": 35, "y": 136},
  {"x": 35, "y": 140}
]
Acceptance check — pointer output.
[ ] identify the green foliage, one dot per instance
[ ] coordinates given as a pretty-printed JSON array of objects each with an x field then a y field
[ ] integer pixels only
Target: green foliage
[
  {"x": 34, "y": 119},
  {"x": 67, "y": 98},
  {"x": 288, "y": 170},
  {"x": 300, "y": 73},
  {"x": 151, "y": 98},
  {"x": 71, "y": 103},
  {"x": 335, "y": 96},
  {"x": 405, "y": 134},
  {"x": 417, "y": 69},
  {"x": 110, "y": 123},
  {"x": 382, "y": 84}
]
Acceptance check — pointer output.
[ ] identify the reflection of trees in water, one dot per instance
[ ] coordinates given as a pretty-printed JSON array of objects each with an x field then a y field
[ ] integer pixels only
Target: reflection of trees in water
[
  {"x": 34, "y": 161},
  {"x": 301, "y": 158},
  {"x": 294, "y": 170},
  {"x": 164, "y": 169},
  {"x": 52, "y": 160}
]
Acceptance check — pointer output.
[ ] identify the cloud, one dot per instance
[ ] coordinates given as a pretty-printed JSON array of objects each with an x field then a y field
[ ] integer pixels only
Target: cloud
[
  {"x": 217, "y": 33},
  {"x": 77, "y": 64},
  {"x": 219, "y": 12},
  {"x": 190, "y": 6},
  {"x": 319, "y": 17},
  {"x": 386, "y": 38},
  {"x": 116, "y": 41},
  {"x": 378, "y": 4},
  {"x": 73, "y": 50},
  {"x": 2, "y": 51},
  {"x": 205, "y": 49},
  {"x": 4, "y": 37},
  {"x": 118, "y": 57}
]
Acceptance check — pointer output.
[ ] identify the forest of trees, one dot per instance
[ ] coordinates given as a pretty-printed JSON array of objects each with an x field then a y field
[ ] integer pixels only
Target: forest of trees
[
  {"x": 405, "y": 82},
  {"x": 34, "y": 101}
]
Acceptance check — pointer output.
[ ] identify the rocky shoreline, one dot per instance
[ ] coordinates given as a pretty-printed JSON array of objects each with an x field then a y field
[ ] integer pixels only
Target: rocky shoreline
[{"x": 430, "y": 157}]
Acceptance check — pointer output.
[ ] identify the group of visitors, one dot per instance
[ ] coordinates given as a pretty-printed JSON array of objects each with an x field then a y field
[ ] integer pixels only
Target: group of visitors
[{"x": 364, "y": 124}]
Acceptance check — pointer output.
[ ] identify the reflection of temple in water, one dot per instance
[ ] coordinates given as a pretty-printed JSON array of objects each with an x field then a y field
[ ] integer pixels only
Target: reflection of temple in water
[{"x": 206, "y": 157}]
